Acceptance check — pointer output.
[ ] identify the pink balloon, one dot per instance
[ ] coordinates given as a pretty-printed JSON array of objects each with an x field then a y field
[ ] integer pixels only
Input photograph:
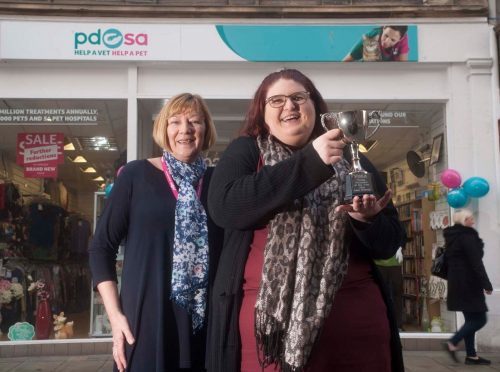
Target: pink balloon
[{"x": 451, "y": 178}]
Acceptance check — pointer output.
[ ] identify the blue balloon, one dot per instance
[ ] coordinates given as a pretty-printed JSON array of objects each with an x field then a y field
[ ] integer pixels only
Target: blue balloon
[
  {"x": 107, "y": 190},
  {"x": 476, "y": 187},
  {"x": 457, "y": 198}
]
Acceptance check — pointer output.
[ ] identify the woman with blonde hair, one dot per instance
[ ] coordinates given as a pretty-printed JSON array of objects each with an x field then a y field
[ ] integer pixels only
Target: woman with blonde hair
[
  {"x": 159, "y": 206},
  {"x": 467, "y": 283}
]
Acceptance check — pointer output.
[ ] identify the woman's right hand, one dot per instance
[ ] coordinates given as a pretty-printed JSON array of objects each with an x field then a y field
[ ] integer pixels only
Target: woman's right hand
[
  {"x": 330, "y": 146},
  {"x": 119, "y": 323},
  {"x": 121, "y": 332}
]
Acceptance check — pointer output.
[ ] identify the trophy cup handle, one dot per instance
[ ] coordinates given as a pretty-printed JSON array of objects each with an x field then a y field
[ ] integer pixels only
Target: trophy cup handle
[
  {"x": 372, "y": 115},
  {"x": 328, "y": 115}
]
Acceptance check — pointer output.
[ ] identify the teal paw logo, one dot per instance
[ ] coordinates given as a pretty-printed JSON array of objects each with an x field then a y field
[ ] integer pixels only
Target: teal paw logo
[{"x": 112, "y": 38}]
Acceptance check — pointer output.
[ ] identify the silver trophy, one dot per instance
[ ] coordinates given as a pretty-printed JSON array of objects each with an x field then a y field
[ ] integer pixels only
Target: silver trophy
[{"x": 354, "y": 125}]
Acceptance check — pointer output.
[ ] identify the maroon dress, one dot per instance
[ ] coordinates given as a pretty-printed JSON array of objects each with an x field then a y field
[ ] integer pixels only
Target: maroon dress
[
  {"x": 356, "y": 334},
  {"x": 251, "y": 283}
]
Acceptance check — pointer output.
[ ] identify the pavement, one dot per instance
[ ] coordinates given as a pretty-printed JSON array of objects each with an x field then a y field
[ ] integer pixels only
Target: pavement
[{"x": 415, "y": 361}]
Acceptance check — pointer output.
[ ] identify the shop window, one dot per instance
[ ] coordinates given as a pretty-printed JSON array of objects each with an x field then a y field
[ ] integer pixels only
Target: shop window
[
  {"x": 409, "y": 150},
  {"x": 56, "y": 155}
]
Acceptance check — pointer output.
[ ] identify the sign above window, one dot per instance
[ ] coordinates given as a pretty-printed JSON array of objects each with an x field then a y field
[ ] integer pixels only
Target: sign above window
[
  {"x": 51, "y": 116},
  {"x": 207, "y": 42}
]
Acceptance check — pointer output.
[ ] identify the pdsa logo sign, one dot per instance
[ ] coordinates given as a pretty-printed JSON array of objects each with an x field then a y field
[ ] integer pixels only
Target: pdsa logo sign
[{"x": 110, "y": 42}]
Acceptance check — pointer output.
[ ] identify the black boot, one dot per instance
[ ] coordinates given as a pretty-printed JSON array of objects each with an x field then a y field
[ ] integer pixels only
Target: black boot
[{"x": 478, "y": 361}]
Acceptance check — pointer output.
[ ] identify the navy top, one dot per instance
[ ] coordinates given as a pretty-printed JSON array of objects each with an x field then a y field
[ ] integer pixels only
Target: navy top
[{"x": 141, "y": 208}]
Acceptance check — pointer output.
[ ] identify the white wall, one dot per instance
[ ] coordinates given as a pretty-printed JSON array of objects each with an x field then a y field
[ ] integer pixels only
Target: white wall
[{"x": 62, "y": 80}]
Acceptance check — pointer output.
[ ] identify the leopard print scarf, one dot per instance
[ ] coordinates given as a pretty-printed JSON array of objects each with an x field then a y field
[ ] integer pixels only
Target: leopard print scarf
[{"x": 305, "y": 261}]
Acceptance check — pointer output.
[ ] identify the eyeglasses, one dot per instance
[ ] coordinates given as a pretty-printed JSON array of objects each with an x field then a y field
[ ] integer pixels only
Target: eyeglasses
[{"x": 279, "y": 100}]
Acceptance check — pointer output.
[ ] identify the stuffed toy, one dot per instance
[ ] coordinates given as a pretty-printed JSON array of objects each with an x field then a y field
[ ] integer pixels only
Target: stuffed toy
[
  {"x": 61, "y": 328},
  {"x": 437, "y": 324}
]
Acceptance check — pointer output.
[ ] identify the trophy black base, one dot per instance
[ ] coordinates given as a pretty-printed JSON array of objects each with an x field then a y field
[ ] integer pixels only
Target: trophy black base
[{"x": 357, "y": 184}]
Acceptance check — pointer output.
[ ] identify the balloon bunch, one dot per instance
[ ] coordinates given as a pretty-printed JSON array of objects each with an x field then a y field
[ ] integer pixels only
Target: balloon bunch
[{"x": 458, "y": 195}]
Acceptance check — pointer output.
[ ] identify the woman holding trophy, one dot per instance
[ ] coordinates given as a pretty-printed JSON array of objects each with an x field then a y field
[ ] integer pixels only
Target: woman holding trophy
[{"x": 293, "y": 248}]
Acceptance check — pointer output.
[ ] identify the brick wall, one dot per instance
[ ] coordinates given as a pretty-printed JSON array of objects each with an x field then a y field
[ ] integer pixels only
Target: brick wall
[
  {"x": 249, "y": 8},
  {"x": 303, "y": 3}
]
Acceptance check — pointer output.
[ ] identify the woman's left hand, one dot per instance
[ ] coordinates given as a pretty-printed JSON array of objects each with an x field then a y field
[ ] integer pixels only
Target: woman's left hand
[{"x": 365, "y": 208}]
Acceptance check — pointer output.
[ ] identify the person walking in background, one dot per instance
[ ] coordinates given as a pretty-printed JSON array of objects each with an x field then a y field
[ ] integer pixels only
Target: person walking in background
[
  {"x": 291, "y": 249},
  {"x": 159, "y": 205},
  {"x": 467, "y": 283}
]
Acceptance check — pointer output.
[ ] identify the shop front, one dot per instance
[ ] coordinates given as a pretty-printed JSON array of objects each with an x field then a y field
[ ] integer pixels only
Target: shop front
[{"x": 78, "y": 100}]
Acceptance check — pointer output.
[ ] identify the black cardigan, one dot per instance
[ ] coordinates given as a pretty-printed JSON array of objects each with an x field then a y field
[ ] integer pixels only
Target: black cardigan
[
  {"x": 241, "y": 200},
  {"x": 141, "y": 208},
  {"x": 467, "y": 278}
]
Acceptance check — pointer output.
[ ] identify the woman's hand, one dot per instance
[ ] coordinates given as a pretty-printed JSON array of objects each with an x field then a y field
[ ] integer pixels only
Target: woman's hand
[
  {"x": 121, "y": 332},
  {"x": 119, "y": 324},
  {"x": 330, "y": 146},
  {"x": 365, "y": 208}
]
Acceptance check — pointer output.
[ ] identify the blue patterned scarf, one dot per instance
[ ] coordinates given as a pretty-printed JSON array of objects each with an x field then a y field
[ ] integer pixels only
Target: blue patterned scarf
[{"x": 190, "y": 256}]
